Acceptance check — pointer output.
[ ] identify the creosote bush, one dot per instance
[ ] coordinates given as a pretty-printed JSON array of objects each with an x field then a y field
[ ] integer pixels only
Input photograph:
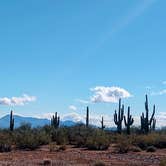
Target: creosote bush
[
  {"x": 27, "y": 138},
  {"x": 77, "y": 135},
  {"x": 5, "y": 142},
  {"x": 97, "y": 140},
  {"x": 123, "y": 144}
]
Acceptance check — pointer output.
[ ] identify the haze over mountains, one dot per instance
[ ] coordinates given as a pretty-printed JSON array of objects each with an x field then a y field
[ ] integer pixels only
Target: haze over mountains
[{"x": 35, "y": 122}]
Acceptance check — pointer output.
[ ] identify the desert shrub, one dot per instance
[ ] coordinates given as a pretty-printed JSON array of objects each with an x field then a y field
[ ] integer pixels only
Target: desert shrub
[
  {"x": 28, "y": 138},
  {"x": 5, "y": 142},
  {"x": 135, "y": 149},
  {"x": 98, "y": 140},
  {"x": 151, "y": 149},
  {"x": 47, "y": 162},
  {"x": 163, "y": 162},
  {"x": 53, "y": 147},
  {"x": 153, "y": 139},
  {"x": 26, "y": 141},
  {"x": 123, "y": 143},
  {"x": 99, "y": 163},
  {"x": 60, "y": 136},
  {"x": 62, "y": 147},
  {"x": 78, "y": 135},
  {"x": 42, "y": 137}
]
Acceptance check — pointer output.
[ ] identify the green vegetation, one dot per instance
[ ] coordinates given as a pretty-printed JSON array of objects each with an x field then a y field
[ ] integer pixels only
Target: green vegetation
[
  {"x": 118, "y": 117},
  {"x": 128, "y": 121},
  {"x": 87, "y": 136},
  {"x": 145, "y": 122}
]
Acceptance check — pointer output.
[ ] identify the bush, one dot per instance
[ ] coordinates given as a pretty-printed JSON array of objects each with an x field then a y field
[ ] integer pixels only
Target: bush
[
  {"x": 97, "y": 141},
  {"x": 153, "y": 139},
  {"x": 29, "y": 139},
  {"x": 60, "y": 136},
  {"x": 5, "y": 142},
  {"x": 99, "y": 163},
  {"x": 123, "y": 144},
  {"x": 163, "y": 162},
  {"x": 62, "y": 148},
  {"x": 53, "y": 147},
  {"x": 151, "y": 149},
  {"x": 135, "y": 149},
  {"x": 78, "y": 135}
]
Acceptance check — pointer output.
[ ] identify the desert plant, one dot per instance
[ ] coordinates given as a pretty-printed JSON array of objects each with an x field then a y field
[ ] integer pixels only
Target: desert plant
[
  {"x": 163, "y": 162},
  {"x": 11, "y": 121},
  {"x": 53, "y": 147},
  {"x": 98, "y": 140},
  {"x": 60, "y": 136},
  {"x": 87, "y": 117},
  {"x": 128, "y": 121},
  {"x": 118, "y": 118},
  {"x": 62, "y": 147},
  {"x": 151, "y": 149},
  {"x": 78, "y": 134},
  {"x": 123, "y": 144},
  {"x": 55, "y": 121},
  {"x": 135, "y": 149},
  {"x": 153, "y": 125},
  {"x": 145, "y": 122},
  {"x": 102, "y": 123},
  {"x": 28, "y": 138},
  {"x": 5, "y": 142},
  {"x": 99, "y": 163}
]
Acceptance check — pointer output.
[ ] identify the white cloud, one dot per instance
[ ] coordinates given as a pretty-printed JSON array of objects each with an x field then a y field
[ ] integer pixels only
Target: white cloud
[
  {"x": 75, "y": 117},
  {"x": 17, "y": 101},
  {"x": 164, "y": 82},
  {"x": 72, "y": 107},
  {"x": 82, "y": 101},
  {"x": 108, "y": 94},
  {"x": 162, "y": 92}
]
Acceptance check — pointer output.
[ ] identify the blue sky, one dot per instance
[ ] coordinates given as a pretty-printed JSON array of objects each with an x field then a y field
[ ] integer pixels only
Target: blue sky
[{"x": 57, "y": 51}]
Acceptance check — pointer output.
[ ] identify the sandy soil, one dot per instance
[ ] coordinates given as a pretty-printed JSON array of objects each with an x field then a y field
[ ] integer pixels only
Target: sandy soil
[{"x": 80, "y": 157}]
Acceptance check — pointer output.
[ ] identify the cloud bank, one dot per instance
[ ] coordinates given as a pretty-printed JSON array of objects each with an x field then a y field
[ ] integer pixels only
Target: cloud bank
[
  {"x": 72, "y": 107},
  {"x": 108, "y": 94},
  {"x": 17, "y": 101}
]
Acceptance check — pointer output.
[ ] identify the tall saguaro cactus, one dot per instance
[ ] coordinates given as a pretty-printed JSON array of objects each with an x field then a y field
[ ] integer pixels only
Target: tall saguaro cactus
[
  {"x": 55, "y": 121},
  {"x": 87, "y": 117},
  {"x": 118, "y": 117},
  {"x": 11, "y": 121},
  {"x": 145, "y": 121},
  {"x": 128, "y": 121},
  {"x": 102, "y": 123},
  {"x": 153, "y": 125}
]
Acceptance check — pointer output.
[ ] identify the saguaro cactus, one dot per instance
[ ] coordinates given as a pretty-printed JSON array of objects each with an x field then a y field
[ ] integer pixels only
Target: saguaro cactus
[
  {"x": 55, "y": 121},
  {"x": 87, "y": 117},
  {"x": 118, "y": 118},
  {"x": 145, "y": 121},
  {"x": 153, "y": 125},
  {"x": 11, "y": 121},
  {"x": 102, "y": 123},
  {"x": 128, "y": 121}
]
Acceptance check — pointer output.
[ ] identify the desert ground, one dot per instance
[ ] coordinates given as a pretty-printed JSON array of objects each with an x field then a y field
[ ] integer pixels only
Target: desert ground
[{"x": 80, "y": 157}]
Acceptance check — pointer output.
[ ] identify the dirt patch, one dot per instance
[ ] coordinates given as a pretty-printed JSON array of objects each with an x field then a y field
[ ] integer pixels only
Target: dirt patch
[{"x": 80, "y": 157}]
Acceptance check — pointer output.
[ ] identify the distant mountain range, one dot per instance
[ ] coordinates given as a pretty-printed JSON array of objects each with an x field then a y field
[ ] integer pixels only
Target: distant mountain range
[{"x": 35, "y": 122}]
